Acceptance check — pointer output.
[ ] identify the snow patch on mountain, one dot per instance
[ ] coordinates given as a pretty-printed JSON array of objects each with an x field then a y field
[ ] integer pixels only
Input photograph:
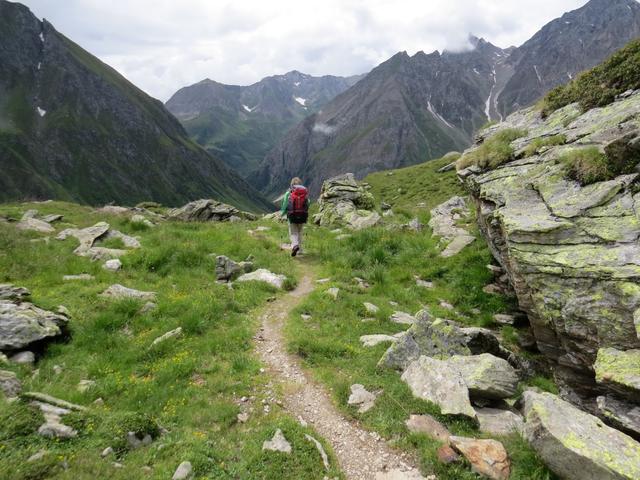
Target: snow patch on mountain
[
  {"x": 42, "y": 112},
  {"x": 300, "y": 100},
  {"x": 324, "y": 128}
]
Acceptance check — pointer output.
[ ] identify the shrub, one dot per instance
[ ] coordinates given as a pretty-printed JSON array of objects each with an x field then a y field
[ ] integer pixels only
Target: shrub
[
  {"x": 495, "y": 150},
  {"x": 536, "y": 145},
  {"x": 599, "y": 86},
  {"x": 587, "y": 165}
]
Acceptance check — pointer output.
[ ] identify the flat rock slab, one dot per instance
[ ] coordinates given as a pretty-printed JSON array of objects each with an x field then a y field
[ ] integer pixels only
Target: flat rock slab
[
  {"x": 402, "y": 318},
  {"x": 79, "y": 277},
  {"x": 35, "y": 225},
  {"x": 487, "y": 457},
  {"x": 493, "y": 421},
  {"x": 486, "y": 375},
  {"x": 119, "y": 292},
  {"x": 440, "y": 383},
  {"x": 171, "y": 334},
  {"x": 183, "y": 472},
  {"x": 575, "y": 444},
  {"x": 429, "y": 426},
  {"x": 278, "y": 443},
  {"x": 456, "y": 245},
  {"x": 265, "y": 276},
  {"x": 362, "y": 398}
]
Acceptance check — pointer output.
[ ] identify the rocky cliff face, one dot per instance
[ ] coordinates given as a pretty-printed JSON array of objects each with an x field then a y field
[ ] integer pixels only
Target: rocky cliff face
[
  {"x": 72, "y": 128},
  {"x": 571, "y": 251},
  {"x": 410, "y": 109},
  {"x": 241, "y": 124}
]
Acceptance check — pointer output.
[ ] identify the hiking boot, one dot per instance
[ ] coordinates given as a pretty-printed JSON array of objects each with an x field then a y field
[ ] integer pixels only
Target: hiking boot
[{"x": 295, "y": 250}]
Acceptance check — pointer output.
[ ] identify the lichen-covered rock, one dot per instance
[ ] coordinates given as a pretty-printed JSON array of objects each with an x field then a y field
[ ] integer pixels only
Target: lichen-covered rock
[
  {"x": 278, "y": 443},
  {"x": 575, "y": 444},
  {"x": 91, "y": 237},
  {"x": 208, "y": 210},
  {"x": 437, "y": 338},
  {"x": 227, "y": 269},
  {"x": 571, "y": 252},
  {"x": 624, "y": 416},
  {"x": 265, "y": 276},
  {"x": 443, "y": 224},
  {"x": 486, "y": 375},
  {"x": 362, "y": 398},
  {"x": 440, "y": 383},
  {"x": 620, "y": 370},
  {"x": 493, "y": 421},
  {"x": 345, "y": 202}
]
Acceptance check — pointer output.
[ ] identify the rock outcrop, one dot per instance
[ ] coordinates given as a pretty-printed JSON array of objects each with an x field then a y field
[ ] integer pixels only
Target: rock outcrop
[
  {"x": 344, "y": 202},
  {"x": 208, "y": 210},
  {"x": 443, "y": 223},
  {"x": 570, "y": 251},
  {"x": 91, "y": 237}
]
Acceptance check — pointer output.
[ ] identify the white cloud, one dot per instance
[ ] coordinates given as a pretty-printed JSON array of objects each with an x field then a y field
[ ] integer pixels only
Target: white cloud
[{"x": 163, "y": 45}]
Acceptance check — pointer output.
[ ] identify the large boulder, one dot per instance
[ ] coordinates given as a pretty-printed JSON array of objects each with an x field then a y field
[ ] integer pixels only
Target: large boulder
[
  {"x": 344, "y": 202},
  {"x": 620, "y": 370},
  {"x": 486, "y": 375},
  {"x": 437, "y": 338},
  {"x": 22, "y": 323},
  {"x": 575, "y": 444},
  {"x": 570, "y": 251},
  {"x": 208, "y": 210}
]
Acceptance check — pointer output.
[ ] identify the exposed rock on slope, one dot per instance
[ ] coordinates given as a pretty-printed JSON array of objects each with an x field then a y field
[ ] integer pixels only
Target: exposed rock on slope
[
  {"x": 570, "y": 251},
  {"x": 72, "y": 128},
  {"x": 208, "y": 210},
  {"x": 345, "y": 202}
]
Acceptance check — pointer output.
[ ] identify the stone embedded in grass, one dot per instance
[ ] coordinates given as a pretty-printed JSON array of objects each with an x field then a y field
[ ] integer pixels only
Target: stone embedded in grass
[
  {"x": 30, "y": 222},
  {"x": 576, "y": 445},
  {"x": 243, "y": 417},
  {"x": 265, "y": 276},
  {"x": 23, "y": 358},
  {"x": 440, "y": 383},
  {"x": 137, "y": 218},
  {"x": 486, "y": 375},
  {"x": 333, "y": 292},
  {"x": 493, "y": 421},
  {"x": 80, "y": 277},
  {"x": 227, "y": 269},
  {"x": 112, "y": 265},
  {"x": 119, "y": 292},
  {"x": 373, "y": 340},
  {"x": 278, "y": 443},
  {"x": 370, "y": 308},
  {"x": 423, "y": 283},
  {"x": 36, "y": 457},
  {"x": 183, "y": 472},
  {"x": 402, "y": 318},
  {"x": 504, "y": 319},
  {"x": 364, "y": 399},
  {"x": 429, "y": 426},
  {"x": 53, "y": 429},
  {"x": 446, "y": 305},
  {"x": 323, "y": 454},
  {"x": 134, "y": 442},
  {"x": 148, "y": 307},
  {"x": 487, "y": 457},
  {"x": 9, "y": 384},
  {"x": 85, "y": 385},
  {"x": 106, "y": 452},
  {"x": 170, "y": 334}
]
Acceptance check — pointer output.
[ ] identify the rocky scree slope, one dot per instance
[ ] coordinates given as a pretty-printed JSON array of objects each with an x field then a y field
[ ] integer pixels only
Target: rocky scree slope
[
  {"x": 240, "y": 124},
  {"x": 410, "y": 109},
  {"x": 571, "y": 250},
  {"x": 72, "y": 128}
]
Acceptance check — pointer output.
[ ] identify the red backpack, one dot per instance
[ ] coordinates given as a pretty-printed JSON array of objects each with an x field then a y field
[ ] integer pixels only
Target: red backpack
[{"x": 298, "y": 207}]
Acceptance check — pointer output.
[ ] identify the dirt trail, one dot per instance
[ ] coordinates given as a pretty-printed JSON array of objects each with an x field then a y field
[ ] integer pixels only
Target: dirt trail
[{"x": 362, "y": 454}]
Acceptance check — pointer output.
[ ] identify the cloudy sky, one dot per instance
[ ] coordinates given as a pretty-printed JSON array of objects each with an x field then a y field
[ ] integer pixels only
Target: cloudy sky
[{"x": 162, "y": 45}]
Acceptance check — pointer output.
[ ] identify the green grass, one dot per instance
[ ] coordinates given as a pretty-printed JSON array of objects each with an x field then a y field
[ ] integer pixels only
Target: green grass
[
  {"x": 388, "y": 260},
  {"x": 493, "y": 152},
  {"x": 191, "y": 386},
  {"x": 589, "y": 165},
  {"x": 599, "y": 86}
]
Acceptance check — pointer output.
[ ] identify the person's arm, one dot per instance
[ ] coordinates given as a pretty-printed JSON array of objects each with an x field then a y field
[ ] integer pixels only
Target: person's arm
[{"x": 285, "y": 204}]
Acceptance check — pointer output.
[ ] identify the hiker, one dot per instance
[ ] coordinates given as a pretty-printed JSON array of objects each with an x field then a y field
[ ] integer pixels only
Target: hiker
[{"x": 295, "y": 205}]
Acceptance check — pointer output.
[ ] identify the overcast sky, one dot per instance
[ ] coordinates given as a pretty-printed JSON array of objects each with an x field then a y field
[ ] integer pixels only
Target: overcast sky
[{"x": 163, "y": 45}]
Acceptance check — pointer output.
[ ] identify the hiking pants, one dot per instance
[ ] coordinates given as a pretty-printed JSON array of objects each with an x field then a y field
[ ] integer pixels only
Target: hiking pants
[{"x": 295, "y": 234}]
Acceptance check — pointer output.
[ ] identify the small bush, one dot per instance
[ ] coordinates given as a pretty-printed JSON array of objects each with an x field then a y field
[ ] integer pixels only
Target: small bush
[
  {"x": 587, "y": 166},
  {"x": 599, "y": 86},
  {"x": 118, "y": 424},
  {"x": 495, "y": 150},
  {"x": 536, "y": 145}
]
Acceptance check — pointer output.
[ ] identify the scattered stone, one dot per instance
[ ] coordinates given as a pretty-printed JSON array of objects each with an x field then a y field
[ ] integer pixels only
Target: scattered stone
[
  {"x": 9, "y": 292},
  {"x": 436, "y": 381},
  {"x": 333, "y": 292},
  {"x": 148, "y": 307},
  {"x": 23, "y": 358},
  {"x": 53, "y": 429},
  {"x": 493, "y": 289},
  {"x": 118, "y": 292},
  {"x": 621, "y": 415},
  {"x": 446, "y": 305},
  {"x": 504, "y": 319},
  {"x": 361, "y": 397},
  {"x": 373, "y": 340},
  {"x": 227, "y": 269},
  {"x": 402, "y": 318},
  {"x": 487, "y": 457},
  {"x": 370, "y": 308},
  {"x": 323, "y": 280},
  {"x": 85, "y": 385},
  {"x": 344, "y": 202},
  {"x": 137, "y": 218},
  {"x": 98, "y": 402},
  {"x": 170, "y": 334},
  {"x": 183, "y": 472},
  {"x": 323, "y": 454},
  {"x": 112, "y": 265},
  {"x": 414, "y": 225},
  {"x": 52, "y": 218},
  {"x": 29, "y": 222},
  {"x": 447, "y": 455},
  {"x": 423, "y": 283},
  {"x": 243, "y": 417},
  {"x": 82, "y": 277},
  {"x": 429, "y": 426},
  {"x": 36, "y": 457},
  {"x": 493, "y": 421},
  {"x": 9, "y": 384},
  {"x": 263, "y": 275},
  {"x": 362, "y": 283},
  {"x": 3, "y": 359},
  {"x": 113, "y": 210},
  {"x": 486, "y": 376},
  {"x": 49, "y": 400},
  {"x": 305, "y": 317},
  {"x": 88, "y": 238},
  {"x": 277, "y": 444},
  {"x": 208, "y": 210},
  {"x": 343, "y": 237},
  {"x": 576, "y": 445}
]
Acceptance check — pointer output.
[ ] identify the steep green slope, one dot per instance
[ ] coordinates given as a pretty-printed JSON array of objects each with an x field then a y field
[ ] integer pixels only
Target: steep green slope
[{"x": 71, "y": 127}]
